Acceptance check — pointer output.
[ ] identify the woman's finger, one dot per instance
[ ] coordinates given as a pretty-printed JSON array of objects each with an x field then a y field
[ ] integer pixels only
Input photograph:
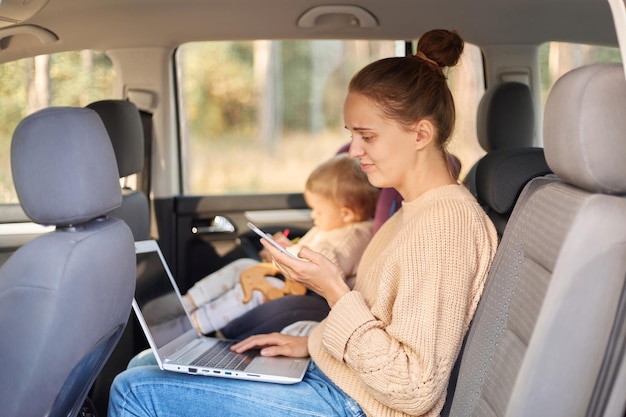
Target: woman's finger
[
  {"x": 255, "y": 342},
  {"x": 274, "y": 344}
]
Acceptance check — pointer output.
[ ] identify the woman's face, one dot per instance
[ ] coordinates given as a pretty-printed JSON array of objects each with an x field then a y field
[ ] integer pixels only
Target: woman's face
[{"x": 386, "y": 150}]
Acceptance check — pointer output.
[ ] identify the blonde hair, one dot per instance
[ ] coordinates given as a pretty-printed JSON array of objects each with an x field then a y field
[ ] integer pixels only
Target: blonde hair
[{"x": 342, "y": 180}]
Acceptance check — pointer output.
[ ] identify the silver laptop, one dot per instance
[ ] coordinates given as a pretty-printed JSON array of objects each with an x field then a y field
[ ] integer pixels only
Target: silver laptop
[{"x": 177, "y": 345}]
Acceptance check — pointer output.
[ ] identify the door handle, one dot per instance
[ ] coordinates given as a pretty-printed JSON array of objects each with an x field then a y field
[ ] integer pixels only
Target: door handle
[{"x": 217, "y": 224}]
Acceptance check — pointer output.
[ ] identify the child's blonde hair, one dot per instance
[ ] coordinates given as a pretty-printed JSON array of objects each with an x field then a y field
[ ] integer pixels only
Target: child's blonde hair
[{"x": 342, "y": 180}]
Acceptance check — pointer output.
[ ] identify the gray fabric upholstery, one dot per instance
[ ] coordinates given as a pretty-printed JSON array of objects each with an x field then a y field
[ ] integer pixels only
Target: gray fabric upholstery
[
  {"x": 123, "y": 123},
  {"x": 537, "y": 342},
  {"x": 506, "y": 119},
  {"x": 49, "y": 177},
  {"x": 135, "y": 211},
  {"x": 503, "y": 173},
  {"x": 589, "y": 93},
  {"x": 500, "y": 177},
  {"x": 65, "y": 297}
]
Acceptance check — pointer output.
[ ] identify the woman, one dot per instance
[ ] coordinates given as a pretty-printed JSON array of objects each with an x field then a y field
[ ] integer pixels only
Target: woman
[{"x": 388, "y": 346}]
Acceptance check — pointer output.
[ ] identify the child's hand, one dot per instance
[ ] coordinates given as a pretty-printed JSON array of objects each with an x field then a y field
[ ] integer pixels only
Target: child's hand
[{"x": 281, "y": 238}]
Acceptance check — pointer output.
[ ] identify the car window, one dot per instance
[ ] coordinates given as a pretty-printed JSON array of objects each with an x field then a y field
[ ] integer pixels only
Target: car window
[
  {"x": 63, "y": 79},
  {"x": 558, "y": 58},
  {"x": 258, "y": 116},
  {"x": 467, "y": 84}
]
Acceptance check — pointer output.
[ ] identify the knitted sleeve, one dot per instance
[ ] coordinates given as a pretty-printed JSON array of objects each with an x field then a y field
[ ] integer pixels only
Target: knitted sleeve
[{"x": 401, "y": 338}]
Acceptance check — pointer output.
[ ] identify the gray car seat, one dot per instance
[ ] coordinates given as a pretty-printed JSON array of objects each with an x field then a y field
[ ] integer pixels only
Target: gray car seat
[
  {"x": 540, "y": 334},
  {"x": 500, "y": 177},
  {"x": 505, "y": 119},
  {"x": 122, "y": 121},
  {"x": 66, "y": 295}
]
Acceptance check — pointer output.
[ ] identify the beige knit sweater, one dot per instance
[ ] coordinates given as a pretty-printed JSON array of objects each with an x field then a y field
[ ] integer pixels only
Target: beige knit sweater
[
  {"x": 344, "y": 246},
  {"x": 391, "y": 343}
]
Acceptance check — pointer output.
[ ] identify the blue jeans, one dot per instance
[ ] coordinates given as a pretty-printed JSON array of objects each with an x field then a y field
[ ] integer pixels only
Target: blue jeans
[{"x": 145, "y": 390}]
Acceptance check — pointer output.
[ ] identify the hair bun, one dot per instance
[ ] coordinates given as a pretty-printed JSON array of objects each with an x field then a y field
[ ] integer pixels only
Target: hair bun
[{"x": 443, "y": 47}]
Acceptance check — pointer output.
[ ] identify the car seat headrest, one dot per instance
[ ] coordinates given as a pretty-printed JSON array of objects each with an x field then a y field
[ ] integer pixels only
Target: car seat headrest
[
  {"x": 506, "y": 117},
  {"x": 123, "y": 124},
  {"x": 584, "y": 128},
  {"x": 501, "y": 175},
  {"x": 63, "y": 166}
]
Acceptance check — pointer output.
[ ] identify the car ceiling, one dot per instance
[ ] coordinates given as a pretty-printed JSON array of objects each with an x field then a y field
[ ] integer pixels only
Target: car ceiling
[{"x": 109, "y": 24}]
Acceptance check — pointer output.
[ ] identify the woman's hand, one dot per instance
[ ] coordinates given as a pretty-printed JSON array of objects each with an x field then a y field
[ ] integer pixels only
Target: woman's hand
[
  {"x": 275, "y": 344},
  {"x": 313, "y": 270},
  {"x": 281, "y": 239}
]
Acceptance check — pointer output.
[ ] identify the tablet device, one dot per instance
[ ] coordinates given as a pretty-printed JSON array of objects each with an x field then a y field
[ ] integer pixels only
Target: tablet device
[{"x": 270, "y": 239}]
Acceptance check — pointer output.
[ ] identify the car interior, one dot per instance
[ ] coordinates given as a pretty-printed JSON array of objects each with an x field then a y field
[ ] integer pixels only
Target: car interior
[{"x": 187, "y": 119}]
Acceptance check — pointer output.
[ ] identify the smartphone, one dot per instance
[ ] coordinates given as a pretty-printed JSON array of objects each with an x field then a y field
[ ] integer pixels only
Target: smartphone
[{"x": 270, "y": 239}]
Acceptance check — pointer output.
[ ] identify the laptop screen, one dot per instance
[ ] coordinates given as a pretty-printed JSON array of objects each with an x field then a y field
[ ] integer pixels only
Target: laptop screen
[{"x": 158, "y": 300}]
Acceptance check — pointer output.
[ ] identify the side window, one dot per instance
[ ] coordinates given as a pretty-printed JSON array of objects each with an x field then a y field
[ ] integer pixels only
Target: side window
[
  {"x": 258, "y": 116},
  {"x": 63, "y": 79},
  {"x": 557, "y": 58},
  {"x": 467, "y": 83}
]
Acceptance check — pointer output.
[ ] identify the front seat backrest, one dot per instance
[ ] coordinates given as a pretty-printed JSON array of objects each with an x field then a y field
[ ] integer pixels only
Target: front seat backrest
[
  {"x": 539, "y": 336},
  {"x": 65, "y": 296}
]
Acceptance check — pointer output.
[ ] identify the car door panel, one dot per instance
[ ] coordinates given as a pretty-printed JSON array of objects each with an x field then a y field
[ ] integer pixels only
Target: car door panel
[{"x": 211, "y": 231}]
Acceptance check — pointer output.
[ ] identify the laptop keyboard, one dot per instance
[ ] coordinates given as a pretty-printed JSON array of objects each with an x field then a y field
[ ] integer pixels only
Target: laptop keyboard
[{"x": 220, "y": 356}]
